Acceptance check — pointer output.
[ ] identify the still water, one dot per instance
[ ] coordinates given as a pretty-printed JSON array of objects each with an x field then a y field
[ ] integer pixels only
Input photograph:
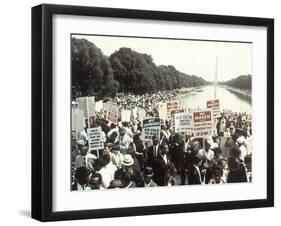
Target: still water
[{"x": 228, "y": 99}]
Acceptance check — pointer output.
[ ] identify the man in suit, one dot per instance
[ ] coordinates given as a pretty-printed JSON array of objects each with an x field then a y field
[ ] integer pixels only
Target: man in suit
[
  {"x": 153, "y": 151},
  {"x": 195, "y": 176},
  {"x": 84, "y": 159},
  {"x": 162, "y": 165}
]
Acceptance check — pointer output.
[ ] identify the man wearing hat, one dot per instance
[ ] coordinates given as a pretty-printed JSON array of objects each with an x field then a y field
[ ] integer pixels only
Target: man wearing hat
[
  {"x": 126, "y": 172},
  {"x": 147, "y": 176}
]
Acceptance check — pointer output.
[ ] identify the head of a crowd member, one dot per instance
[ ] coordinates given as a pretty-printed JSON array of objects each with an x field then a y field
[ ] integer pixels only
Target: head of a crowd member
[
  {"x": 232, "y": 130},
  {"x": 73, "y": 140},
  {"x": 171, "y": 169},
  {"x": 240, "y": 140},
  {"x": 115, "y": 184},
  {"x": 115, "y": 148},
  {"x": 80, "y": 144},
  {"x": 235, "y": 151},
  {"x": 208, "y": 142},
  {"x": 125, "y": 124},
  {"x": 122, "y": 132},
  {"x": 164, "y": 148},
  {"x": 217, "y": 151},
  {"x": 107, "y": 149},
  {"x": 132, "y": 149},
  {"x": 163, "y": 127},
  {"x": 223, "y": 163},
  {"x": 248, "y": 162},
  {"x": 155, "y": 140},
  {"x": 113, "y": 136},
  {"x": 127, "y": 166},
  {"x": 217, "y": 172},
  {"x": 81, "y": 175},
  {"x": 106, "y": 159},
  {"x": 83, "y": 148},
  {"x": 148, "y": 174},
  {"x": 235, "y": 137},
  {"x": 197, "y": 160},
  {"x": 95, "y": 181}
]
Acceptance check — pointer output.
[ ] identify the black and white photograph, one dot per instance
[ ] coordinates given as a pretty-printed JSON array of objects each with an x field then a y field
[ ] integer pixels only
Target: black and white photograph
[{"x": 149, "y": 112}]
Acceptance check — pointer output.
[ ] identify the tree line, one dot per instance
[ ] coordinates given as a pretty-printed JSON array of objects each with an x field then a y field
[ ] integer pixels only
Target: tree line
[
  {"x": 125, "y": 70},
  {"x": 241, "y": 82}
]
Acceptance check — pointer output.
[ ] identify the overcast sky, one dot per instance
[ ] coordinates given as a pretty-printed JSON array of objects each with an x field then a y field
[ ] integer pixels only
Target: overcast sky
[{"x": 191, "y": 57}]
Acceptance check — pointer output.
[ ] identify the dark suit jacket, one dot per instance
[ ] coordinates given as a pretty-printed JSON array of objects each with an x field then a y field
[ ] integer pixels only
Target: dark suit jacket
[
  {"x": 160, "y": 169},
  {"x": 194, "y": 177},
  {"x": 150, "y": 157}
]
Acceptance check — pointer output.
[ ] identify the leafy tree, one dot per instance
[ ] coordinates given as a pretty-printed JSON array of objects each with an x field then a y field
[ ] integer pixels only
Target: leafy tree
[
  {"x": 241, "y": 82},
  {"x": 91, "y": 70},
  {"x": 124, "y": 71}
]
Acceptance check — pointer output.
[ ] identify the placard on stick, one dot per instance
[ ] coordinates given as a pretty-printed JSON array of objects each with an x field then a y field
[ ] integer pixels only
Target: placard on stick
[
  {"x": 112, "y": 112},
  {"x": 183, "y": 122},
  {"x": 151, "y": 127},
  {"x": 95, "y": 138},
  {"x": 171, "y": 106},
  {"x": 215, "y": 106},
  {"x": 163, "y": 111},
  {"x": 203, "y": 123}
]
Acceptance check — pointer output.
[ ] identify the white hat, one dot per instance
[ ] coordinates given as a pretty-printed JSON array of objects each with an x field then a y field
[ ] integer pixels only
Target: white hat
[
  {"x": 81, "y": 142},
  {"x": 241, "y": 140},
  {"x": 214, "y": 146},
  {"x": 128, "y": 160}
]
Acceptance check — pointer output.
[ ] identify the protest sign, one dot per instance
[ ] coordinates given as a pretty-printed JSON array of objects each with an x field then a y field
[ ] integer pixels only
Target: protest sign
[
  {"x": 125, "y": 115},
  {"x": 173, "y": 112},
  {"x": 183, "y": 122},
  {"x": 141, "y": 114},
  {"x": 151, "y": 127},
  {"x": 112, "y": 112},
  {"x": 77, "y": 121},
  {"x": 87, "y": 104},
  {"x": 172, "y": 105},
  {"x": 163, "y": 111},
  {"x": 95, "y": 138},
  {"x": 215, "y": 106},
  {"x": 99, "y": 106},
  {"x": 191, "y": 110},
  {"x": 203, "y": 123}
]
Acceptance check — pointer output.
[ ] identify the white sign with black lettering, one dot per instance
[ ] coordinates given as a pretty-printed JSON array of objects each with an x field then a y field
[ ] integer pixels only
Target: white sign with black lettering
[
  {"x": 183, "y": 122},
  {"x": 203, "y": 123},
  {"x": 95, "y": 138},
  {"x": 151, "y": 127}
]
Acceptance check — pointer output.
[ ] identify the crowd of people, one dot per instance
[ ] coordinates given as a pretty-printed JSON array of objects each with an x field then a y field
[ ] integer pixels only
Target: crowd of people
[{"x": 170, "y": 159}]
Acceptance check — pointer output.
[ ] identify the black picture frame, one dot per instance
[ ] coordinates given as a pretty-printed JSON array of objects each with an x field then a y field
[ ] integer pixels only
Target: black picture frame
[{"x": 42, "y": 107}]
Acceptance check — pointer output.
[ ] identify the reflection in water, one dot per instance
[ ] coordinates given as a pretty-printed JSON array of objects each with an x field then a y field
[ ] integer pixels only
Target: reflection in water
[{"x": 228, "y": 99}]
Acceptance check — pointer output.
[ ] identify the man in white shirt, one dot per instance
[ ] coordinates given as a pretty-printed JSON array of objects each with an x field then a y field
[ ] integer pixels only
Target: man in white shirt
[
  {"x": 206, "y": 153},
  {"x": 107, "y": 172},
  {"x": 124, "y": 141},
  {"x": 242, "y": 147}
]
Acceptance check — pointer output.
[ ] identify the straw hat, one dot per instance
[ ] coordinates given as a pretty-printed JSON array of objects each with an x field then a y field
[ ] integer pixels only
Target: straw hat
[{"x": 128, "y": 160}]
